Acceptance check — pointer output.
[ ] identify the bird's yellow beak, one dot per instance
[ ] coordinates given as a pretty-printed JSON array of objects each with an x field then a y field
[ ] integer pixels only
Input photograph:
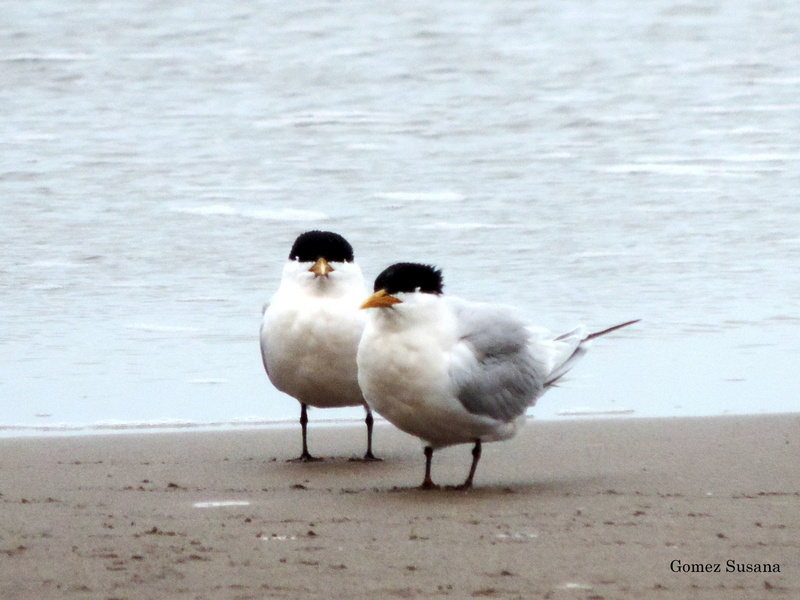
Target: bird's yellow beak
[
  {"x": 321, "y": 268},
  {"x": 380, "y": 299}
]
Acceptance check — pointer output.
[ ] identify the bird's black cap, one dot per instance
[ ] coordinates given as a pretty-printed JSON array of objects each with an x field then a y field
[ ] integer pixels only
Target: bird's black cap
[
  {"x": 410, "y": 277},
  {"x": 313, "y": 245}
]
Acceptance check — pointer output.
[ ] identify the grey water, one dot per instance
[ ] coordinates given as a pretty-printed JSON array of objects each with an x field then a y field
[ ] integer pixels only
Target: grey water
[{"x": 586, "y": 162}]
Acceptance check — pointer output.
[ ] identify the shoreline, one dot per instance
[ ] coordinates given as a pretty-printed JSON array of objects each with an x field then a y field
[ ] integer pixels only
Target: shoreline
[
  {"x": 589, "y": 508},
  {"x": 10, "y": 432}
]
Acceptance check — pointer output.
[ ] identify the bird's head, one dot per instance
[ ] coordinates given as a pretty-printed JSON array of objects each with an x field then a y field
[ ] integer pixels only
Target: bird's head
[
  {"x": 319, "y": 249},
  {"x": 404, "y": 278}
]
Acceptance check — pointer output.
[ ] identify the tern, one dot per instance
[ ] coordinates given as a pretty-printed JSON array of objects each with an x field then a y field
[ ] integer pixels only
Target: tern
[
  {"x": 451, "y": 371},
  {"x": 311, "y": 328}
]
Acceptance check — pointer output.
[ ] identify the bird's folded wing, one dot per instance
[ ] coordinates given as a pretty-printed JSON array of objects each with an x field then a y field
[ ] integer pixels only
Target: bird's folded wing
[{"x": 492, "y": 370}]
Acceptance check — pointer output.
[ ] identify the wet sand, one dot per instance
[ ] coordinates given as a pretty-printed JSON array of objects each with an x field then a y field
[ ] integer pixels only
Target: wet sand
[{"x": 585, "y": 509}]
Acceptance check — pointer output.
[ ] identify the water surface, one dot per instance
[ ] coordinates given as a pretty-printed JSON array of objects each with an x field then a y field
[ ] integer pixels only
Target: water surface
[{"x": 585, "y": 162}]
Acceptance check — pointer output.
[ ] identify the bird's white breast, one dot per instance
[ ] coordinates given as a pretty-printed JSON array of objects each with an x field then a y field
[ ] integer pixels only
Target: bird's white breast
[
  {"x": 404, "y": 376},
  {"x": 309, "y": 346}
]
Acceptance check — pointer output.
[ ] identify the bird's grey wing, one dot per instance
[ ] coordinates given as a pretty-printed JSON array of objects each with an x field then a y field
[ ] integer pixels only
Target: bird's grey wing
[{"x": 492, "y": 369}]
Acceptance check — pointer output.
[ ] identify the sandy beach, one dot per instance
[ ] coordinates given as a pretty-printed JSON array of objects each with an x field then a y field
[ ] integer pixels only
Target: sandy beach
[{"x": 585, "y": 509}]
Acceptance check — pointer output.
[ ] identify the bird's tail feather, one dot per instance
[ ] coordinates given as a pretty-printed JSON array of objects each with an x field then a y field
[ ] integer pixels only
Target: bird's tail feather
[
  {"x": 581, "y": 348},
  {"x": 597, "y": 334}
]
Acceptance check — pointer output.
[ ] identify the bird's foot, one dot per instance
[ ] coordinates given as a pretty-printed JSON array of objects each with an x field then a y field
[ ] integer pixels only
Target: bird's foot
[
  {"x": 429, "y": 485},
  {"x": 305, "y": 458},
  {"x": 370, "y": 457}
]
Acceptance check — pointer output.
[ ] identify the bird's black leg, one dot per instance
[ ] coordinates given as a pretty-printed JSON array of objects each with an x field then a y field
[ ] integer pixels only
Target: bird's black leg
[
  {"x": 305, "y": 456},
  {"x": 369, "y": 421},
  {"x": 476, "y": 456},
  {"x": 427, "y": 483}
]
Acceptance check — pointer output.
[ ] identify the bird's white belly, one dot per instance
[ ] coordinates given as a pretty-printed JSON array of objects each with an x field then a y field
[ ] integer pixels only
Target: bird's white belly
[
  {"x": 312, "y": 356},
  {"x": 410, "y": 388}
]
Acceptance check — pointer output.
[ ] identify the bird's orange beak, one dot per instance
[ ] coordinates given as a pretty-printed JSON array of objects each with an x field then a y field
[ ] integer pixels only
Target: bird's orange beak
[
  {"x": 380, "y": 299},
  {"x": 321, "y": 268}
]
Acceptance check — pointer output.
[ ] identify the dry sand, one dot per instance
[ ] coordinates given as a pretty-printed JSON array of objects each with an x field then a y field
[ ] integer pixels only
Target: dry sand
[{"x": 583, "y": 509}]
